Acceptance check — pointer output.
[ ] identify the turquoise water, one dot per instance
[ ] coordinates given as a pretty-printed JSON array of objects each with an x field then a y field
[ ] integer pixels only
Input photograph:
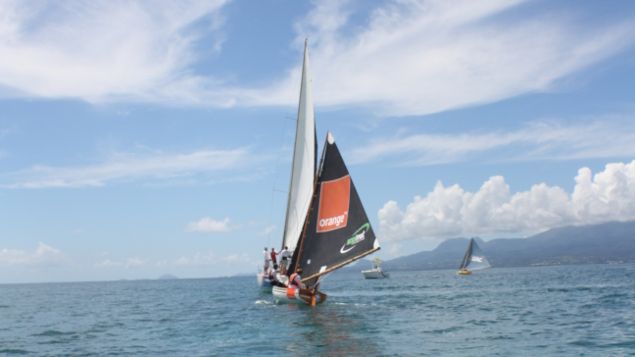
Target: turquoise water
[{"x": 575, "y": 310}]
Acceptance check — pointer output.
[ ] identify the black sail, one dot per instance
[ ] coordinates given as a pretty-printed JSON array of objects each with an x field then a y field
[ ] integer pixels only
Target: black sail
[
  {"x": 468, "y": 254},
  {"x": 338, "y": 231}
]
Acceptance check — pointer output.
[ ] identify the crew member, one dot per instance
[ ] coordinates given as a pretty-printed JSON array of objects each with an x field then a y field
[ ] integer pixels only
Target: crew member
[
  {"x": 295, "y": 279},
  {"x": 285, "y": 257},
  {"x": 273, "y": 256},
  {"x": 267, "y": 259},
  {"x": 277, "y": 278}
]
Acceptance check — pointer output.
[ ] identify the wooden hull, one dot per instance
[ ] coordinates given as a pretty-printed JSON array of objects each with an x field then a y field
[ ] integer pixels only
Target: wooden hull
[{"x": 297, "y": 296}]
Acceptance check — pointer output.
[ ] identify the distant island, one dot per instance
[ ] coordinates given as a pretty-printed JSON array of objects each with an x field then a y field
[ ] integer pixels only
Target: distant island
[
  {"x": 607, "y": 243},
  {"x": 167, "y": 277}
]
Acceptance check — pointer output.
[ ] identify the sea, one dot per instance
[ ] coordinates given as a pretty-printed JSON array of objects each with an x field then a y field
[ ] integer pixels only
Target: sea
[{"x": 584, "y": 310}]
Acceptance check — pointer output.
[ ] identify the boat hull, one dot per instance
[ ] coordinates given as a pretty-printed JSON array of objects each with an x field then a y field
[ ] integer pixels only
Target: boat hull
[
  {"x": 264, "y": 282},
  {"x": 284, "y": 295},
  {"x": 374, "y": 274},
  {"x": 464, "y": 272}
]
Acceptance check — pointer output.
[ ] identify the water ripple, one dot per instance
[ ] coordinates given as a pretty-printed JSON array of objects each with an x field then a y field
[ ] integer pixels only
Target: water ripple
[{"x": 546, "y": 311}]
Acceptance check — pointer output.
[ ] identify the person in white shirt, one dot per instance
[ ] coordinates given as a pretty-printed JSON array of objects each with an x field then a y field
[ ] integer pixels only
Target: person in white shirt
[
  {"x": 267, "y": 257},
  {"x": 285, "y": 258}
]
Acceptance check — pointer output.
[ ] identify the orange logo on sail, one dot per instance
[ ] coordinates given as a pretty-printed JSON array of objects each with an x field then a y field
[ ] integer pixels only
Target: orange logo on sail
[{"x": 334, "y": 201}]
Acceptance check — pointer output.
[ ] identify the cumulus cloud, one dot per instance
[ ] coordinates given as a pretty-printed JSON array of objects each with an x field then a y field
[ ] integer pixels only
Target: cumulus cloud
[
  {"x": 538, "y": 140},
  {"x": 108, "y": 50},
  {"x": 418, "y": 57},
  {"x": 128, "y": 166},
  {"x": 43, "y": 255},
  {"x": 209, "y": 225},
  {"x": 129, "y": 263},
  {"x": 268, "y": 230},
  {"x": 450, "y": 211}
]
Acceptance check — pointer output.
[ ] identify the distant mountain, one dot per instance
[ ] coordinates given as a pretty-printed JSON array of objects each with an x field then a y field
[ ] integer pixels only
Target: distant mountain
[
  {"x": 167, "y": 277},
  {"x": 612, "y": 242}
]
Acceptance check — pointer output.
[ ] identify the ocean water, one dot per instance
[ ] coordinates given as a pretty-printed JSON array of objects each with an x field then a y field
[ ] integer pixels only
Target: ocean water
[{"x": 573, "y": 310}]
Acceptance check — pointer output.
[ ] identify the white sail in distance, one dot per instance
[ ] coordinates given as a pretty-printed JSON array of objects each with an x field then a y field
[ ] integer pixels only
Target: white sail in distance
[{"x": 303, "y": 165}]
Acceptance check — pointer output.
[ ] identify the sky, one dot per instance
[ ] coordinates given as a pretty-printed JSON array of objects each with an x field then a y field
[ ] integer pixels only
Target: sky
[{"x": 143, "y": 138}]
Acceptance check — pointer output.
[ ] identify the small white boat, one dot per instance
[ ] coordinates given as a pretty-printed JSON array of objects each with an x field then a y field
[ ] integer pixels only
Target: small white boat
[{"x": 376, "y": 272}]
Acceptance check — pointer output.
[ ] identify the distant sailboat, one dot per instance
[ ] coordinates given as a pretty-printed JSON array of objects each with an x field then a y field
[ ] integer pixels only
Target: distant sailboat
[
  {"x": 474, "y": 259},
  {"x": 376, "y": 272},
  {"x": 303, "y": 169}
]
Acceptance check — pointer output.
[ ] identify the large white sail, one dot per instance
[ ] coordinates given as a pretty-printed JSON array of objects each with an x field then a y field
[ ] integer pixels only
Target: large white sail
[{"x": 303, "y": 166}]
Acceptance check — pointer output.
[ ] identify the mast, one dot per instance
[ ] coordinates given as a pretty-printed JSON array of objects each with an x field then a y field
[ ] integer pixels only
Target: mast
[{"x": 304, "y": 161}]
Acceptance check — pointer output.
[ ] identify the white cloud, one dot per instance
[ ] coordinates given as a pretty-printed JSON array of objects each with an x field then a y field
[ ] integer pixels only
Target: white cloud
[
  {"x": 236, "y": 259},
  {"x": 43, "y": 255},
  {"x": 127, "y": 166},
  {"x": 543, "y": 140},
  {"x": 494, "y": 210},
  {"x": 129, "y": 263},
  {"x": 407, "y": 57},
  {"x": 268, "y": 230},
  {"x": 197, "y": 259},
  {"x": 418, "y": 57},
  {"x": 210, "y": 259},
  {"x": 134, "y": 262},
  {"x": 209, "y": 225},
  {"x": 107, "y": 50}
]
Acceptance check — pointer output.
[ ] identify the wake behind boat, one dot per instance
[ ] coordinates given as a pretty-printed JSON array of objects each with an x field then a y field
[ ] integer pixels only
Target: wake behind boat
[{"x": 474, "y": 259}]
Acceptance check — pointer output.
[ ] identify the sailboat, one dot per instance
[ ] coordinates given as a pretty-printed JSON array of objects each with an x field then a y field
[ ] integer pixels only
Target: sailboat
[
  {"x": 303, "y": 169},
  {"x": 376, "y": 272},
  {"x": 336, "y": 230},
  {"x": 474, "y": 259}
]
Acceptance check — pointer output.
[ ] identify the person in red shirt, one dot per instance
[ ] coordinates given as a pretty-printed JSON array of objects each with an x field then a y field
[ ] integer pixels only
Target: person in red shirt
[{"x": 273, "y": 256}]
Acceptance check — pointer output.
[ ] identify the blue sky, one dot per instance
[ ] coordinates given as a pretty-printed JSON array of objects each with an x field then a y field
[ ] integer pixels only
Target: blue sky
[{"x": 144, "y": 138}]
